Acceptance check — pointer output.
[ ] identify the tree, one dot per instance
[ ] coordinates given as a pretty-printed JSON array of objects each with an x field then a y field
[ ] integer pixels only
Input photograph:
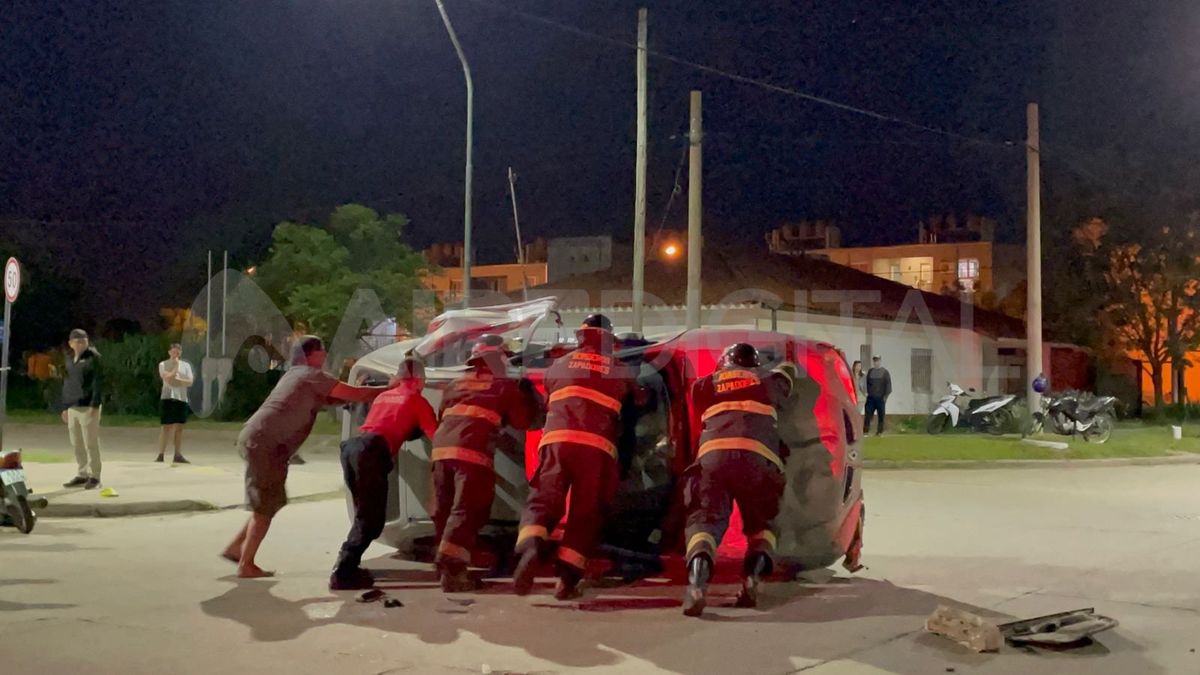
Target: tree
[
  {"x": 1153, "y": 302},
  {"x": 312, "y": 272}
]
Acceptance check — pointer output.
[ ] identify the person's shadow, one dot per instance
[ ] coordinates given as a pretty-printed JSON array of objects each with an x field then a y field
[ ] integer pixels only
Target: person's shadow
[{"x": 13, "y": 606}]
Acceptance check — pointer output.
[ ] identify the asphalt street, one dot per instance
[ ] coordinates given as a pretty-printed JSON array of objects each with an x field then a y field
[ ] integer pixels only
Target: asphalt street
[{"x": 150, "y": 595}]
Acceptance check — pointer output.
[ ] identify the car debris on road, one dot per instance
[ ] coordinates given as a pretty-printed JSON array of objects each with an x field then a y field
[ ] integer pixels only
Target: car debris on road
[{"x": 1064, "y": 629}]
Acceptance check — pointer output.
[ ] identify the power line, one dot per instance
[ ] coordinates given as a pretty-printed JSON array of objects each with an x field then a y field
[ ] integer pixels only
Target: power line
[{"x": 763, "y": 84}]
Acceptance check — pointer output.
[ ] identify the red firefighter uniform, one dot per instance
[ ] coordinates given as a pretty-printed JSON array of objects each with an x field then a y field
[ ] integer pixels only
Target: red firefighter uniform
[
  {"x": 739, "y": 459},
  {"x": 578, "y": 454},
  {"x": 475, "y": 409}
]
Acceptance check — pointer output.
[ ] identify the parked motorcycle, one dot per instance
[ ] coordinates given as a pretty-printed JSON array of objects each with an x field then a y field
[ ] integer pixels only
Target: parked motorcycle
[
  {"x": 16, "y": 500},
  {"x": 1073, "y": 413},
  {"x": 991, "y": 414}
]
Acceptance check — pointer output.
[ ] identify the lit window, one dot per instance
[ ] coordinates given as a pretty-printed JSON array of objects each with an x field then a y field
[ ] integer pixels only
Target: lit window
[{"x": 968, "y": 268}]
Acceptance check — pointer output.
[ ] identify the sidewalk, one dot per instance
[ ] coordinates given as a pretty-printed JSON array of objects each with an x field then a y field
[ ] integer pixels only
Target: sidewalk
[{"x": 214, "y": 479}]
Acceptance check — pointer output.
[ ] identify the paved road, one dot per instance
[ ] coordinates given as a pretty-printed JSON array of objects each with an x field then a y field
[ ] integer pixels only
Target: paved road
[{"x": 149, "y": 595}]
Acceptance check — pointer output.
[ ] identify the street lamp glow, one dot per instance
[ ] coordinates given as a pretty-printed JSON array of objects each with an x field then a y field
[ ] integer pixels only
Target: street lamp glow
[{"x": 671, "y": 250}]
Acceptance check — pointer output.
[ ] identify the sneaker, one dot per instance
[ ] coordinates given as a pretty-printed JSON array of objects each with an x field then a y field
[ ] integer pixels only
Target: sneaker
[
  {"x": 296, "y": 459},
  {"x": 76, "y": 481},
  {"x": 159, "y": 458},
  {"x": 91, "y": 484},
  {"x": 180, "y": 459}
]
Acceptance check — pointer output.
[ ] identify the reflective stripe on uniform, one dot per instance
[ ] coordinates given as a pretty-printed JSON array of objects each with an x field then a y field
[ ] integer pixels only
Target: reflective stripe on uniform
[
  {"x": 739, "y": 443},
  {"x": 700, "y": 538},
  {"x": 572, "y": 557},
  {"x": 766, "y": 536},
  {"x": 463, "y": 455},
  {"x": 581, "y": 437},
  {"x": 586, "y": 393},
  {"x": 739, "y": 406},
  {"x": 467, "y": 410},
  {"x": 449, "y": 549},
  {"x": 531, "y": 531}
]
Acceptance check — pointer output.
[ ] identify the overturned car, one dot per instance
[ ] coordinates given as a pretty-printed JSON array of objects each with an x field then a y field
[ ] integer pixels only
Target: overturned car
[{"x": 821, "y": 517}]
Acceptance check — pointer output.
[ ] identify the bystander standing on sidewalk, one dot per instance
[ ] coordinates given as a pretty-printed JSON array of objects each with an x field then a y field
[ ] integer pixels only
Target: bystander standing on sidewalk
[
  {"x": 81, "y": 403},
  {"x": 879, "y": 388},
  {"x": 177, "y": 376}
]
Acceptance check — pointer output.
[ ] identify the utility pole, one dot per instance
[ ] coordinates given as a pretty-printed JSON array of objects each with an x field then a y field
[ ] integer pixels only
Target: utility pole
[
  {"x": 1033, "y": 256},
  {"x": 695, "y": 172},
  {"x": 208, "y": 310},
  {"x": 639, "y": 187},
  {"x": 466, "y": 261},
  {"x": 512, "y": 191},
  {"x": 224, "y": 297}
]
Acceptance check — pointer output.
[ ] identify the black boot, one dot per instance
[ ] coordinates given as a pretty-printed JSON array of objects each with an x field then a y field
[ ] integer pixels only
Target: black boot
[
  {"x": 753, "y": 569},
  {"x": 526, "y": 567},
  {"x": 699, "y": 572},
  {"x": 454, "y": 577},
  {"x": 567, "y": 587}
]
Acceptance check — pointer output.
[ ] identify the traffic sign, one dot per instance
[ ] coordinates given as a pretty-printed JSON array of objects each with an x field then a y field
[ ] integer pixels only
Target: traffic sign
[{"x": 12, "y": 280}]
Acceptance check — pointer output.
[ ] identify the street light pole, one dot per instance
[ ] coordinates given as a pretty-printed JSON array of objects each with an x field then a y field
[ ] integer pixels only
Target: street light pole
[{"x": 466, "y": 261}]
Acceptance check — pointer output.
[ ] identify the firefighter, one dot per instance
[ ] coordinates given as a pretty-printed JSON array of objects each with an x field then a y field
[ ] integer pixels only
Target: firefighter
[
  {"x": 578, "y": 453},
  {"x": 739, "y": 459},
  {"x": 475, "y": 409},
  {"x": 399, "y": 414}
]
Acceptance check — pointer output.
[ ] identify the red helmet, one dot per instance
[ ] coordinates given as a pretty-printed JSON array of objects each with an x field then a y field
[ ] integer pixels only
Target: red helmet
[{"x": 740, "y": 354}]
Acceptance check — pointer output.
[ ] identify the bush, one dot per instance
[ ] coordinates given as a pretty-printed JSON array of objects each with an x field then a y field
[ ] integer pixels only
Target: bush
[
  {"x": 129, "y": 367},
  {"x": 245, "y": 392}
]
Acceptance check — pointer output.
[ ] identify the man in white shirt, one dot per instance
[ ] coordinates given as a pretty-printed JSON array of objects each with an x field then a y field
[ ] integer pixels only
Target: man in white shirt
[{"x": 176, "y": 376}]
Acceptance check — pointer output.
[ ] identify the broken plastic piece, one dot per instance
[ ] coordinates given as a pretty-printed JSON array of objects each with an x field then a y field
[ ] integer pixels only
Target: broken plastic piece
[
  {"x": 1063, "y": 628},
  {"x": 970, "y": 630}
]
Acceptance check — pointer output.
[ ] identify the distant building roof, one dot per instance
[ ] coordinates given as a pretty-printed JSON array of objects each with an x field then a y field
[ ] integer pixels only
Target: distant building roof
[{"x": 732, "y": 277}]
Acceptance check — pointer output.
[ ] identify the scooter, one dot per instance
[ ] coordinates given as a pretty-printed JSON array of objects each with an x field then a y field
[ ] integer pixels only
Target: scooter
[
  {"x": 16, "y": 500},
  {"x": 991, "y": 414},
  {"x": 1072, "y": 412}
]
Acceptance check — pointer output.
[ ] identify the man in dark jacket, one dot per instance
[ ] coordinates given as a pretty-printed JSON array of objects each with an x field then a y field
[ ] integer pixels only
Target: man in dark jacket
[
  {"x": 879, "y": 388},
  {"x": 474, "y": 412},
  {"x": 81, "y": 409}
]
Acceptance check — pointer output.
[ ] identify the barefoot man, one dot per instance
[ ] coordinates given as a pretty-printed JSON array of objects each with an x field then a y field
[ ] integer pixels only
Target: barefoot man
[{"x": 274, "y": 433}]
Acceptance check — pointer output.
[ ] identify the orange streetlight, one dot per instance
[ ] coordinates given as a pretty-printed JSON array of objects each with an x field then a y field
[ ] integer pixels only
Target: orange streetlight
[{"x": 671, "y": 250}]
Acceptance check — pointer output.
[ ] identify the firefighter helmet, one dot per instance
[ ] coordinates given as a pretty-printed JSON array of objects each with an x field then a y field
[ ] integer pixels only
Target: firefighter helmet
[
  {"x": 489, "y": 348},
  {"x": 597, "y": 321},
  {"x": 740, "y": 354}
]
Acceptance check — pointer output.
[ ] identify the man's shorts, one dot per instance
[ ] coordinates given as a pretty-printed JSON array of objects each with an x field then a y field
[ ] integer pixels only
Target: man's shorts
[
  {"x": 173, "y": 412},
  {"x": 266, "y": 476}
]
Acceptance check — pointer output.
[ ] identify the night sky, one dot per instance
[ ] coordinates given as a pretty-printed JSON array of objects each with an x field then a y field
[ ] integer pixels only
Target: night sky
[{"x": 135, "y": 135}]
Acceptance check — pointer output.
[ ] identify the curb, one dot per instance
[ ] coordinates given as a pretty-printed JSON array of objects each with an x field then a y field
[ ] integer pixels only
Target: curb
[
  {"x": 117, "y": 509},
  {"x": 1170, "y": 460}
]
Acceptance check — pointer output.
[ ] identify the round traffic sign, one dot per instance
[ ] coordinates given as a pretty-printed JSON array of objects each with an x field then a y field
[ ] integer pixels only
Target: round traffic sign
[{"x": 12, "y": 280}]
